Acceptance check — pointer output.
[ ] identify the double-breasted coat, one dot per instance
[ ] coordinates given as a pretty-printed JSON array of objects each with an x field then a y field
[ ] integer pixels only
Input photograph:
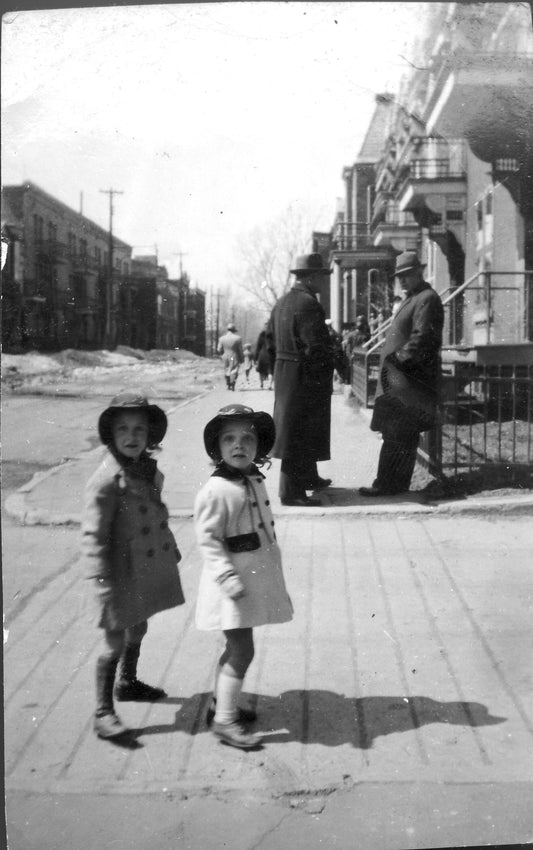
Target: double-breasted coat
[
  {"x": 408, "y": 385},
  {"x": 126, "y": 541},
  {"x": 303, "y": 375},
  {"x": 228, "y": 506}
]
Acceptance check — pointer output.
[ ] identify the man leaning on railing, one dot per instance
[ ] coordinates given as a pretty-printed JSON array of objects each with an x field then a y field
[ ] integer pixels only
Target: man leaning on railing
[{"x": 407, "y": 392}]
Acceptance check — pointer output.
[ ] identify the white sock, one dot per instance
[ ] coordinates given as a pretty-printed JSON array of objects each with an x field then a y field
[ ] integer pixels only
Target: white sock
[{"x": 227, "y": 693}]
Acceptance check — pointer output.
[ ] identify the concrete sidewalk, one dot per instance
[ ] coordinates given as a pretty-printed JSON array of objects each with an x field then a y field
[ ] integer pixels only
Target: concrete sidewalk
[
  {"x": 396, "y": 707},
  {"x": 55, "y": 496}
]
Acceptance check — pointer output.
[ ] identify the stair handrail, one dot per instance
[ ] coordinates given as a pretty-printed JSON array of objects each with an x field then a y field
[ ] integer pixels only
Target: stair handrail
[{"x": 376, "y": 340}]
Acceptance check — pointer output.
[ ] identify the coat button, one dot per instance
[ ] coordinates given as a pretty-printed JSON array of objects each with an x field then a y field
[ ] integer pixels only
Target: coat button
[
  {"x": 271, "y": 522},
  {"x": 254, "y": 504},
  {"x": 261, "y": 525},
  {"x": 150, "y": 553},
  {"x": 267, "y": 502},
  {"x": 146, "y": 529},
  {"x": 164, "y": 524},
  {"x": 166, "y": 547}
]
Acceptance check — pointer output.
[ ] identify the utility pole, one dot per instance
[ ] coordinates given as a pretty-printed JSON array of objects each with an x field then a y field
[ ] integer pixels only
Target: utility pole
[
  {"x": 218, "y": 317},
  {"x": 109, "y": 287},
  {"x": 180, "y": 254}
]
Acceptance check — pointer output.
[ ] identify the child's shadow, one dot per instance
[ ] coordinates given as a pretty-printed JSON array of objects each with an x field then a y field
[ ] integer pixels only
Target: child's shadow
[{"x": 331, "y": 719}]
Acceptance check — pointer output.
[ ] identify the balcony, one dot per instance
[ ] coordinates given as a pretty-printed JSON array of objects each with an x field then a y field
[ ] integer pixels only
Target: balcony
[
  {"x": 485, "y": 97},
  {"x": 395, "y": 227},
  {"x": 351, "y": 235},
  {"x": 438, "y": 169},
  {"x": 53, "y": 250}
]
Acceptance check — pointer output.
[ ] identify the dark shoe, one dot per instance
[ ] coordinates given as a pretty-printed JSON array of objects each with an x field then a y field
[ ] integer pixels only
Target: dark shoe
[
  {"x": 376, "y": 491},
  {"x": 235, "y": 735},
  {"x": 109, "y": 726},
  {"x": 319, "y": 484},
  {"x": 245, "y": 715},
  {"x": 136, "y": 690},
  {"x": 301, "y": 503}
]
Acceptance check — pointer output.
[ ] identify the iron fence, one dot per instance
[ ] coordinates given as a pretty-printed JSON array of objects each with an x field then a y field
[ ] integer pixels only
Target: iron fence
[{"x": 485, "y": 423}]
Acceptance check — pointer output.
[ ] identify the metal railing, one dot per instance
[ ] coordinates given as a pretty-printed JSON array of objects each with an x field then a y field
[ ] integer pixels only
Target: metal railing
[
  {"x": 486, "y": 422},
  {"x": 486, "y": 412},
  {"x": 350, "y": 235}
]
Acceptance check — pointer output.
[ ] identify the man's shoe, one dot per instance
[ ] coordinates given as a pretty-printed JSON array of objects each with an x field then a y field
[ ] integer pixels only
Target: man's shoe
[
  {"x": 109, "y": 726},
  {"x": 376, "y": 491},
  {"x": 301, "y": 502},
  {"x": 371, "y": 491},
  {"x": 135, "y": 690},
  {"x": 235, "y": 735},
  {"x": 245, "y": 715},
  {"x": 319, "y": 484}
]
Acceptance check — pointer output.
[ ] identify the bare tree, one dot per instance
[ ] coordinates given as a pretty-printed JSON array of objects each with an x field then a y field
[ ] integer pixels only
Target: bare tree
[{"x": 266, "y": 254}]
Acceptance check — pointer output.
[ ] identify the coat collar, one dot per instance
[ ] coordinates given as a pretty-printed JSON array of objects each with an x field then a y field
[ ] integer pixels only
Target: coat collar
[
  {"x": 420, "y": 288},
  {"x": 302, "y": 286},
  {"x": 230, "y": 474}
]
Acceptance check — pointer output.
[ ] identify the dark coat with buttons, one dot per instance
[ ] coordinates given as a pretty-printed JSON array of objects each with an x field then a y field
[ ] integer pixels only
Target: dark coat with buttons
[
  {"x": 303, "y": 375},
  {"x": 408, "y": 386},
  {"x": 128, "y": 547}
]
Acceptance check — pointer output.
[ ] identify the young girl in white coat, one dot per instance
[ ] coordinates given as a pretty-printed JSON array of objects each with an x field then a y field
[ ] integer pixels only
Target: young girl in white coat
[{"x": 242, "y": 583}]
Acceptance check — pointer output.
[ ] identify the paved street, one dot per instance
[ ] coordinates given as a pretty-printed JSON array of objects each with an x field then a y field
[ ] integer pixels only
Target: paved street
[{"x": 397, "y": 706}]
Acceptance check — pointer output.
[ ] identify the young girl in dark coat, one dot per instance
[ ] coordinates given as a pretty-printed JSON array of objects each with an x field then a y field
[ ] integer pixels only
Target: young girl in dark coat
[{"x": 130, "y": 554}]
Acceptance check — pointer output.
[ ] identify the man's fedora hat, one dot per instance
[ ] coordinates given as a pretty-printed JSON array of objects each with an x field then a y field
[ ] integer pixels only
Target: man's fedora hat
[
  {"x": 133, "y": 400},
  {"x": 262, "y": 422},
  {"x": 310, "y": 264},
  {"x": 406, "y": 262}
]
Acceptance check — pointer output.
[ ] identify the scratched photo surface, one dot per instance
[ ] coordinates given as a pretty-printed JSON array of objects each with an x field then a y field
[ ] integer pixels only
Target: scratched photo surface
[{"x": 292, "y": 207}]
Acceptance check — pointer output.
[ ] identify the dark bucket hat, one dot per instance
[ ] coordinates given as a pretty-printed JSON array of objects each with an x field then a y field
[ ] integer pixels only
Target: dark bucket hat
[
  {"x": 133, "y": 400},
  {"x": 263, "y": 424},
  {"x": 406, "y": 262},
  {"x": 310, "y": 264}
]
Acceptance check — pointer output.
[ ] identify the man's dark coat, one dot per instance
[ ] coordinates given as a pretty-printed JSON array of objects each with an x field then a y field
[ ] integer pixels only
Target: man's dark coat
[
  {"x": 303, "y": 375},
  {"x": 408, "y": 386}
]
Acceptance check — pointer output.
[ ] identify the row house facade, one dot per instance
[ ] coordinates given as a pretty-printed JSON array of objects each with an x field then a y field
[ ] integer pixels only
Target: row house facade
[
  {"x": 65, "y": 286},
  {"x": 446, "y": 168}
]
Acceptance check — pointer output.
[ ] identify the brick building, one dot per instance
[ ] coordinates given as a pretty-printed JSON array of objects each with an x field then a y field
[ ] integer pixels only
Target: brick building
[
  {"x": 59, "y": 290},
  {"x": 446, "y": 168}
]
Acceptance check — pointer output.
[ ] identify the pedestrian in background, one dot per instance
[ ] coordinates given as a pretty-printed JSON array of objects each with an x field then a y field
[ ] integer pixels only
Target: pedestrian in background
[
  {"x": 130, "y": 554},
  {"x": 263, "y": 359},
  {"x": 359, "y": 335},
  {"x": 242, "y": 584},
  {"x": 407, "y": 393},
  {"x": 340, "y": 361},
  {"x": 303, "y": 383},
  {"x": 248, "y": 361},
  {"x": 230, "y": 347}
]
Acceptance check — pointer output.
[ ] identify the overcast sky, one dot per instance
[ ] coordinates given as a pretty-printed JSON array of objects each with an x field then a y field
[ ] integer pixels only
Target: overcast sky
[{"x": 211, "y": 118}]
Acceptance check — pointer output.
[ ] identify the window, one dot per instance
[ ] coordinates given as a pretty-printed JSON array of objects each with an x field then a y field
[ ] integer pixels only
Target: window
[
  {"x": 479, "y": 214},
  {"x": 454, "y": 215}
]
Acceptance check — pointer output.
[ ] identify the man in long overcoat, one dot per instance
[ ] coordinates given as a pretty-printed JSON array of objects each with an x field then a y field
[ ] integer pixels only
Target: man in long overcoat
[
  {"x": 230, "y": 347},
  {"x": 303, "y": 382},
  {"x": 408, "y": 387}
]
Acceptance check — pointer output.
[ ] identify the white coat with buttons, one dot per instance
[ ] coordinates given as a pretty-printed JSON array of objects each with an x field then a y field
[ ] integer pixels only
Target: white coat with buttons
[{"x": 228, "y": 508}]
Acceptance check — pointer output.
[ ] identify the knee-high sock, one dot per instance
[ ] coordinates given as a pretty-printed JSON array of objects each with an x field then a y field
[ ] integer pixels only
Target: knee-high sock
[{"x": 227, "y": 693}]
